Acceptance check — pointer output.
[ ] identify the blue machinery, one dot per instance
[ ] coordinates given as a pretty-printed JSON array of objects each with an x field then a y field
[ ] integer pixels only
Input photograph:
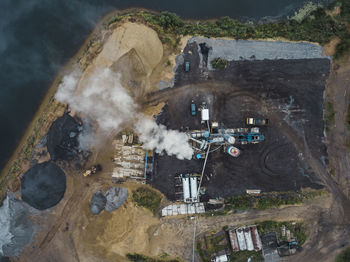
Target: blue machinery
[{"x": 150, "y": 166}]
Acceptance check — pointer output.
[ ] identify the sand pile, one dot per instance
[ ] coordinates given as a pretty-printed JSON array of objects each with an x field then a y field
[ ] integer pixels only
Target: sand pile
[
  {"x": 133, "y": 50},
  {"x": 16, "y": 229},
  {"x": 43, "y": 185}
]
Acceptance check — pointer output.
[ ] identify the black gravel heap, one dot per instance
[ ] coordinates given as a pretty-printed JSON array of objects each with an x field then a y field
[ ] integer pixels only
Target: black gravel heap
[
  {"x": 43, "y": 185},
  {"x": 62, "y": 138}
]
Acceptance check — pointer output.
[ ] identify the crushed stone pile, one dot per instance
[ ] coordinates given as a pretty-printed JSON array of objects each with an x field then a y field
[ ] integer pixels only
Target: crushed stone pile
[
  {"x": 43, "y": 185},
  {"x": 98, "y": 202},
  {"x": 111, "y": 200},
  {"x": 115, "y": 196},
  {"x": 238, "y": 50},
  {"x": 16, "y": 229}
]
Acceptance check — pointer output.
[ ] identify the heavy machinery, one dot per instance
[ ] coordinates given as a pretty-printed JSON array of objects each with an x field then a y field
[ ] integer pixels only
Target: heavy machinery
[
  {"x": 256, "y": 121},
  {"x": 93, "y": 170}
]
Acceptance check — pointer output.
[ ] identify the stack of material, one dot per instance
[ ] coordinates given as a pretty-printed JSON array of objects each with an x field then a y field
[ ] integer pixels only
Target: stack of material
[
  {"x": 183, "y": 209},
  {"x": 111, "y": 200},
  {"x": 16, "y": 230},
  {"x": 62, "y": 138},
  {"x": 115, "y": 196},
  {"x": 43, "y": 185}
]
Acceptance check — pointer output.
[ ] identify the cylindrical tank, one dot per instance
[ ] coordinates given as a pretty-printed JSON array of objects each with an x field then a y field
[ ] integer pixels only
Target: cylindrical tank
[
  {"x": 230, "y": 139},
  {"x": 198, "y": 156},
  {"x": 233, "y": 151}
]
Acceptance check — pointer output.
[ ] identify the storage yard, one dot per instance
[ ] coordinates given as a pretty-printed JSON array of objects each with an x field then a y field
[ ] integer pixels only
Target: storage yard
[{"x": 287, "y": 92}]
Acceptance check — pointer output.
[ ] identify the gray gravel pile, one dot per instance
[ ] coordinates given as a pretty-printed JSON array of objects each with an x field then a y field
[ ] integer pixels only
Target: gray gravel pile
[
  {"x": 111, "y": 200},
  {"x": 116, "y": 196},
  {"x": 98, "y": 202},
  {"x": 235, "y": 50},
  {"x": 16, "y": 229}
]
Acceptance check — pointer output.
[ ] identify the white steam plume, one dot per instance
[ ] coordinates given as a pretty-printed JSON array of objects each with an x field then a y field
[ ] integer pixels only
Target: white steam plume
[
  {"x": 161, "y": 139},
  {"x": 103, "y": 99}
]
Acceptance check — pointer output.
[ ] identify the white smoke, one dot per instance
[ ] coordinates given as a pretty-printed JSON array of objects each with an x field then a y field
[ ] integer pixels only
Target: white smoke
[
  {"x": 159, "y": 138},
  {"x": 103, "y": 99}
]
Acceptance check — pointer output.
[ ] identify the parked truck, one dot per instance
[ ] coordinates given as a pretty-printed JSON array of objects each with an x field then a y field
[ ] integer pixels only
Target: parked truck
[{"x": 256, "y": 121}]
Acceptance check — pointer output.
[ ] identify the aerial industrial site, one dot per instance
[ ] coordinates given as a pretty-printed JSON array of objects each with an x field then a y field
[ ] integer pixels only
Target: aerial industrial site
[{"x": 212, "y": 150}]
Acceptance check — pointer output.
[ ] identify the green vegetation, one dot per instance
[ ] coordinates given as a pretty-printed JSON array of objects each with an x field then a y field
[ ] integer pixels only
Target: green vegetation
[
  {"x": 113, "y": 20},
  {"x": 219, "y": 63},
  {"x": 243, "y": 256},
  {"x": 310, "y": 23},
  {"x": 297, "y": 229},
  {"x": 142, "y": 258},
  {"x": 269, "y": 200},
  {"x": 344, "y": 256},
  {"x": 148, "y": 198},
  {"x": 329, "y": 115},
  {"x": 208, "y": 245}
]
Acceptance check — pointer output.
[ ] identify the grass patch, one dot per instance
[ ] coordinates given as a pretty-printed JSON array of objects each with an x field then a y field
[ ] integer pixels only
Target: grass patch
[
  {"x": 148, "y": 198},
  {"x": 141, "y": 258},
  {"x": 297, "y": 229},
  {"x": 269, "y": 200},
  {"x": 210, "y": 244},
  {"x": 329, "y": 115},
  {"x": 219, "y": 63},
  {"x": 344, "y": 256},
  {"x": 243, "y": 256}
]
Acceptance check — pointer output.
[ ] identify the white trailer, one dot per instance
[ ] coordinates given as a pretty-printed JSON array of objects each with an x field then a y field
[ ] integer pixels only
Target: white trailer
[
  {"x": 194, "y": 189},
  {"x": 186, "y": 189}
]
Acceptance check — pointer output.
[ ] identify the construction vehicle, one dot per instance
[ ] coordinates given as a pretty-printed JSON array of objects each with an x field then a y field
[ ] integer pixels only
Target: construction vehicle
[
  {"x": 256, "y": 121},
  {"x": 93, "y": 170}
]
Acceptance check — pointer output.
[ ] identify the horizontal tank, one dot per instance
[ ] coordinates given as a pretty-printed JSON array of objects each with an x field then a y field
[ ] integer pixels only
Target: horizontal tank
[{"x": 233, "y": 151}]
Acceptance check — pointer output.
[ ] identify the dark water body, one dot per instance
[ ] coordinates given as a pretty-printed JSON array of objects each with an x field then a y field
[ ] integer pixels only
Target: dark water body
[{"x": 37, "y": 37}]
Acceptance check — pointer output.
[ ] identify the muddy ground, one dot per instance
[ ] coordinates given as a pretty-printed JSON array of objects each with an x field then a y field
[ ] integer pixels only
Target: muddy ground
[{"x": 288, "y": 92}]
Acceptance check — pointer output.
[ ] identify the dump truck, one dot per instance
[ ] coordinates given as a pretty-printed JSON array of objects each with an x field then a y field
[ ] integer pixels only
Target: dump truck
[{"x": 256, "y": 121}]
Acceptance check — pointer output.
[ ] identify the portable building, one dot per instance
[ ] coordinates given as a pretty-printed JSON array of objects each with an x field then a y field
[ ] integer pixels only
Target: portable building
[
  {"x": 248, "y": 239},
  {"x": 241, "y": 240}
]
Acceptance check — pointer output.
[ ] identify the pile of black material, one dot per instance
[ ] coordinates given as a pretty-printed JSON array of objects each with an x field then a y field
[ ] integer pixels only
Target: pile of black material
[
  {"x": 43, "y": 185},
  {"x": 111, "y": 200},
  {"x": 62, "y": 138},
  {"x": 98, "y": 202}
]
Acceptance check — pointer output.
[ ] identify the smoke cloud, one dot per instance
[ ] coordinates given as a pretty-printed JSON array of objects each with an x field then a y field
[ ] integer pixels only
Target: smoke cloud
[{"x": 104, "y": 100}]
